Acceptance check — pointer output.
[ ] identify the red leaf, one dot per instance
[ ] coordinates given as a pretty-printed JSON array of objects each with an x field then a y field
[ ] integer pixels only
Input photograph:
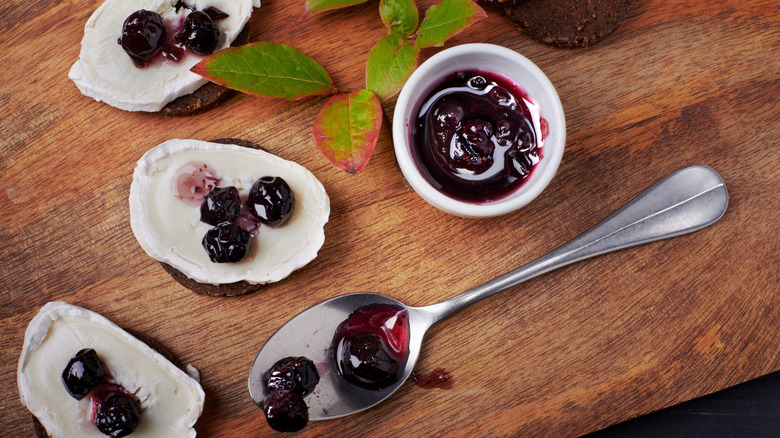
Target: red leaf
[{"x": 347, "y": 128}]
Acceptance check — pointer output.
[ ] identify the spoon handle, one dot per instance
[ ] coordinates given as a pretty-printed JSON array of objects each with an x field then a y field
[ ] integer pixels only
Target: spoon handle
[{"x": 685, "y": 201}]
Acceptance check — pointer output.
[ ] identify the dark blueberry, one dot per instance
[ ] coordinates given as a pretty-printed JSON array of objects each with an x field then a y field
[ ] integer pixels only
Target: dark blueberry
[
  {"x": 143, "y": 34},
  {"x": 271, "y": 201},
  {"x": 503, "y": 128},
  {"x": 226, "y": 243},
  {"x": 221, "y": 205},
  {"x": 296, "y": 374},
  {"x": 364, "y": 361},
  {"x": 286, "y": 411},
  {"x": 517, "y": 163},
  {"x": 464, "y": 155},
  {"x": 199, "y": 33},
  {"x": 524, "y": 141},
  {"x": 449, "y": 115},
  {"x": 477, "y": 83},
  {"x": 478, "y": 133},
  {"x": 117, "y": 414},
  {"x": 501, "y": 96},
  {"x": 83, "y": 372},
  {"x": 215, "y": 13}
]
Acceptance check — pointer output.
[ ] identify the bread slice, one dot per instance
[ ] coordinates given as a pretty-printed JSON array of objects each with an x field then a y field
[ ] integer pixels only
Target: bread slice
[{"x": 569, "y": 23}]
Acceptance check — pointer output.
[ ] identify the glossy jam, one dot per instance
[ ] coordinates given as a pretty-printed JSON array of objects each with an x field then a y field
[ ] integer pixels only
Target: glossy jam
[
  {"x": 149, "y": 39},
  {"x": 371, "y": 346},
  {"x": 477, "y": 136}
]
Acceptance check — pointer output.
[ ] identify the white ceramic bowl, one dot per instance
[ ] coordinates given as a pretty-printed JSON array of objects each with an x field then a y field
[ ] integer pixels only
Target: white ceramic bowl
[{"x": 500, "y": 60}]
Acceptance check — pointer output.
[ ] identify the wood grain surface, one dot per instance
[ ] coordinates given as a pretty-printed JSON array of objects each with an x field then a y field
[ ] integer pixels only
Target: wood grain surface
[{"x": 565, "y": 354}]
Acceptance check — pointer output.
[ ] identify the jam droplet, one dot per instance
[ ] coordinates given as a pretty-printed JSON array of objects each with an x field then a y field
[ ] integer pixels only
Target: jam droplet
[{"x": 438, "y": 378}]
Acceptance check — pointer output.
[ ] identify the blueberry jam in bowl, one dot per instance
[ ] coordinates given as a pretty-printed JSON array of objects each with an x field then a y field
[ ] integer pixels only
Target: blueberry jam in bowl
[{"x": 478, "y": 130}]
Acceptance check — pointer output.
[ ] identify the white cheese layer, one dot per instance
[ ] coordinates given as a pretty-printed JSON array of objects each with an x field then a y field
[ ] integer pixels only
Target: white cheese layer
[
  {"x": 171, "y": 401},
  {"x": 106, "y": 73},
  {"x": 169, "y": 229}
]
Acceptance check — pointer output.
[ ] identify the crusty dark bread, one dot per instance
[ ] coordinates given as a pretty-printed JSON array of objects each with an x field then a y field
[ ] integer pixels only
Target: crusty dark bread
[
  {"x": 569, "y": 23},
  {"x": 207, "y": 96},
  {"x": 40, "y": 431},
  {"x": 219, "y": 290}
]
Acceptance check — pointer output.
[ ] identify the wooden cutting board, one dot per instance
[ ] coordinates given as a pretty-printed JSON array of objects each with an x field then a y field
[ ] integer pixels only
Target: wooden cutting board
[{"x": 571, "y": 352}]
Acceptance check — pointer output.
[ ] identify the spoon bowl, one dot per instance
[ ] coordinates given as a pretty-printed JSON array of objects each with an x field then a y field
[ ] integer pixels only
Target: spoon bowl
[
  {"x": 686, "y": 201},
  {"x": 310, "y": 334}
]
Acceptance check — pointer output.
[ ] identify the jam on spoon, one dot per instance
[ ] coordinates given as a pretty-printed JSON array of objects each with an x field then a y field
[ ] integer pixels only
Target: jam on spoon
[{"x": 371, "y": 345}]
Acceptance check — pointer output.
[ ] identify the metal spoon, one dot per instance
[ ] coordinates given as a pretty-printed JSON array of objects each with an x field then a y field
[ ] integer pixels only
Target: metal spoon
[{"x": 687, "y": 200}]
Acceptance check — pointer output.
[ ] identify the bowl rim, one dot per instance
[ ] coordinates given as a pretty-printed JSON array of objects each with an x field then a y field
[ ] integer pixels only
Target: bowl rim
[{"x": 542, "y": 175}]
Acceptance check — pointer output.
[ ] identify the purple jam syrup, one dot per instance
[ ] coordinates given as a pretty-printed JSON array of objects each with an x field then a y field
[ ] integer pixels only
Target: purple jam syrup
[
  {"x": 477, "y": 136},
  {"x": 438, "y": 378},
  {"x": 193, "y": 181},
  {"x": 371, "y": 346}
]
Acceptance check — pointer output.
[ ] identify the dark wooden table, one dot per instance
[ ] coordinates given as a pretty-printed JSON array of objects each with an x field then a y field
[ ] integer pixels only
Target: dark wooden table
[{"x": 569, "y": 353}]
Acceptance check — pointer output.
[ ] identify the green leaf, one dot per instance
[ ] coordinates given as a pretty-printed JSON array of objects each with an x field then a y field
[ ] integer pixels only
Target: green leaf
[
  {"x": 389, "y": 65},
  {"x": 400, "y": 16},
  {"x": 266, "y": 69},
  {"x": 347, "y": 128},
  {"x": 325, "y": 5},
  {"x": 446, "y": 19}
]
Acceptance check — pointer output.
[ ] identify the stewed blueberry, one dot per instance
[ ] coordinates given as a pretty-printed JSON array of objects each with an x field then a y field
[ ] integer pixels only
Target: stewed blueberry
[
  {"x": 465, "y": 155},
  {"x": 297, "y": 374},
  {"x": 364, "y": 361},
  {"x": 199, "y": 34},
  {"x": 221, "y": 205},
  {"x": 143, "y": 34},
  {"x": 271, "y": 200},
  {"x": 116, "y": 413},
  {"x": 226, "y": 243},
  {"x": 83, "y": 373},
  {"x": 371, "y": 345},
  {"x": 286, "y": 411},
  {"x": 288, "y": 381},
  {"x": 517, "y": 163}
]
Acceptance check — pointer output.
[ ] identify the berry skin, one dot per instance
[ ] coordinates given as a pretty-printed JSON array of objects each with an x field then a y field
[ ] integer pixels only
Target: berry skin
[
  {"x": 215, "y": 13},
  {"x": 200, "y": 35},
  {"x": 83, "y": 372},
  {"x": 271, "y": 201},
  {"x": 117, "y": 413},
  {"x": 472, "y": 156},
  {"x": 221, "y": 205},
  {"x": 296, "y": 374},
  {"x": 286, "y": 411},
  {"x": 143, "y": 34},
  {"x": 517, "y": 163},
  {"x": 364, "y": 361},
  {"x": 226, "y": 243}
]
